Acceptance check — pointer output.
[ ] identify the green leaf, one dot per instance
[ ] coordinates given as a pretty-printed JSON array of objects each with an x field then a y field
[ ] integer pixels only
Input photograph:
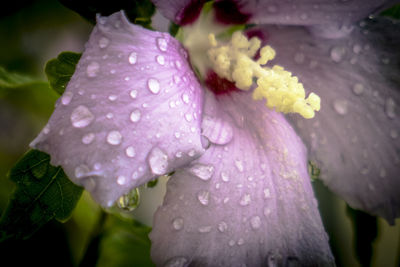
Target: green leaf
[
  {"x": 124, "y": 243},
  {"x": 138, "y": 12},
  {"x": 393, "y": 12},
  {"x": 43, "y": 192},
  {"x": 10, "y": 81},
  {"x": 60, "y": 70}
]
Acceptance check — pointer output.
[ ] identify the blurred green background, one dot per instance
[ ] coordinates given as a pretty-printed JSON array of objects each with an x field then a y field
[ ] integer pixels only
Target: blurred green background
[{"x": 33, "y": 32}]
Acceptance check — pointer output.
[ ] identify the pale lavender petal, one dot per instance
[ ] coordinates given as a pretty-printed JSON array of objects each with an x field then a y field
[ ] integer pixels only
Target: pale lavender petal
[
  {"x": 306, "y": 12},
  {"x": 354, "y": 139},
  {"x": 130, "y": 113},
  {"x": 246, "y": 203}
]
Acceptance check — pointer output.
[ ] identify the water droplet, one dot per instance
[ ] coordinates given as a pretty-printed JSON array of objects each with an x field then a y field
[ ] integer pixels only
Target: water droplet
[
  {"x": 130, "y": 151},
  {"x": 132, "y": 58},
  {"x": 153, "y": 85},
  {"x": 299, "y": 58},
  {"x": 239, "y": 165},
  {"x": 162, "y": 44},
  {"x": 135, "y": 115},
  {"x": 112, "y": 97},
  {"x": 178, "y": 64},
  {"x": 133, "y": 94},
  {"x": 204, "y": 197},
  {"x": 338, "y": 53},
  {"x": 204, "y": 172},
  {"x": 88, "y": 138},
  {"x": 191, "y": 153},
  {"x": 92, "y": 69},
  {"x": 224, "y": 177},
  {"x": 121, "y": 180},
  {"x": 109, "y": 116},
  {"x": 382, "y": 173},
  {"x": 185, "y": 98},
  {"x": 240, "y": 241},
  {"x": 177, "y": 80},
  {"x": 158, "y": 161},
  {"x": 357, "y": 49},
  {"x": 135, "y": 175},
  {"x": 81, "y": 171},
  {"x": 267, "y": 193},
  {"x": 81, "y": 117},
  {"x": 231, "y": 243},
  {"x": 394, "y": 134},
  {"x": 390, "y": 107},
  {"x": 205, "y": 229},
  {"x": 340, "y": 106},
  {"x": 103, "y": 42},
  {"x": 304, "y": 16},
  {"x": 130, "y": 201},
  {"x": 66, "y": 98},
  {"x": 188, "y": 117},
  {"x": 222, "y": 226},
  {"x": 245, "y": 200},
  {"x": 160, "y": 59},
  {"x": 255, "y": 222},
  {"x": 114, "y": 138},
  {"x": 177, "y": 262},
  {"x": 358, "y": 88},
  {"x": 267, "y": 211},
  {"x": 178, "y": 154},
  {"x": 177, "y": 223}
]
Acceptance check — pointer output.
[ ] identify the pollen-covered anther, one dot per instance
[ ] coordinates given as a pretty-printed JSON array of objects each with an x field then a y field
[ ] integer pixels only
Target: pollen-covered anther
[{"x": 283, "y": 92}]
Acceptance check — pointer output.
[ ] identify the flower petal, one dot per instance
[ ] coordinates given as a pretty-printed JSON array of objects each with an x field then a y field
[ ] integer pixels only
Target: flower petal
[
  {"x": 249, "y": 202},
  {"x": 305, "y": 12},
  {"x": 181, "y": 12},
  {"x": 130, "y": 113},
  {"x": 354, "y": 138}
]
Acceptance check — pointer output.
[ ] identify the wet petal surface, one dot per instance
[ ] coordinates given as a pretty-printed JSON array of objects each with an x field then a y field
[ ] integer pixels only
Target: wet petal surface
[
  {"x": 246, "y": 203},
  {"x": 131, "y": 111},
  {"x": 354, "y": 138}
]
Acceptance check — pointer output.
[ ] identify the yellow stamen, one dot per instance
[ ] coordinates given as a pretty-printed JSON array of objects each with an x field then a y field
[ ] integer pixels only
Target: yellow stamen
[{"x": 283, "y": 92}]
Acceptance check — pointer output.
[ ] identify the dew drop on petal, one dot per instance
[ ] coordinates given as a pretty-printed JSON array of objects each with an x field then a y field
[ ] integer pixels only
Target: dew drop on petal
[
  {"x": 81, "y": 171},
  {"x": 240, "y": 241},
  {"x": 109, "y": 116},
  {"x": 176, "y": 262},
  {"x": 130, "y": 151},
  {"x": 203, "y": 197},
  {"x": 130, "y": 201},
  {"x": 162, "y": 44},
  {"x": 177, "y": 223},
  {"x": 357, "y": 49},
  {"x": 160, "y": 59},
  {"x": 185, "y": 98},
  {"x": 133, "y": 94},
  {"x": 112, "y": 97},
  {"x": 188, "y": 117},
  {"x": 222, "y": 226},
  {"x": 338, "y": 53},
  {"x": 158, "y": 161},
  {"x": 340, "y": 107},
  {"x": 394, "y": 134},
  {"x": 390, "y": 107},
  {"x": 114, "y": 138},
  {"x": 88, "y": 138},
  {"x": 239, "y": 165},
  {"x": 135, "y": 115},
  {"x": 204, "y": 229},
  {"x": 255, "y": 222},
  {"x": 245, "y": 200},
  {"x": 121, "y": 180},
  {"x": 204, "y": 172},
  {"x": 224, "y": 177},
  {"x": 92, "y": 69},
  {"x": 153, "y": 85},
  {"x": 81, "y": 117},
  {"x": 103, "y": 42},
  {"x": 66, "y": 98},
  {"x": 358, "y": 89},
  {"x": 132, "y": 58}
]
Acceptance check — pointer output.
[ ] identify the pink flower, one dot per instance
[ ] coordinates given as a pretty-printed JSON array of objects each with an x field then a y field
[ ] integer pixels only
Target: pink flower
[{"x": 240, "y": 194}]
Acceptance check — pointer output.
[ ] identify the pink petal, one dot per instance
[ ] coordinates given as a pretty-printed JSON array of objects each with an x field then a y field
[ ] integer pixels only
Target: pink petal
[
  {"x": 246, "y": 203},
  {"x": 306, "y": 12},
  {"x": 354, "y": 139},
  {"x": 130, "y": 113}
]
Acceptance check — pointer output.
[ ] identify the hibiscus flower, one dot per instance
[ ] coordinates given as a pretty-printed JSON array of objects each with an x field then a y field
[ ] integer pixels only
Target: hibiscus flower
[{"x": 141, "y": 105}]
